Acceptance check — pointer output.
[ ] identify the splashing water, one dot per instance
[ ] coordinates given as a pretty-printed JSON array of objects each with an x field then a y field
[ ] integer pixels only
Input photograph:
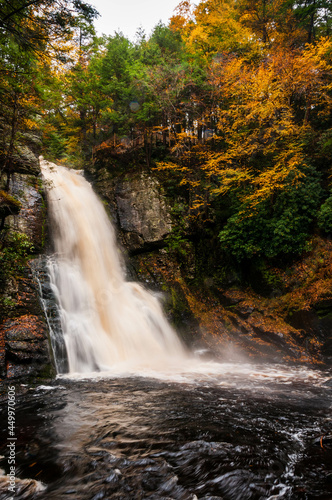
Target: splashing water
[{"x": 106, "y": 321}]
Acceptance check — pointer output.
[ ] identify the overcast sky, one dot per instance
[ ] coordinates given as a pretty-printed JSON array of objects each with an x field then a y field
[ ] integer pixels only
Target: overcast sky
[{"x": 128, "y": 15}]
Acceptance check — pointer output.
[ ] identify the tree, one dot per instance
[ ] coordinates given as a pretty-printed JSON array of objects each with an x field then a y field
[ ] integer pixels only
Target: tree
[
  {"x": 34, "y": 23},
  {"x": 33, "y": 34},
  {"x": 213, "y": 27}
]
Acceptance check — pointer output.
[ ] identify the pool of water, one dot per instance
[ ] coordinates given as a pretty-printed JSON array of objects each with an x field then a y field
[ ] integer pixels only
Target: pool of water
[{"x": 228, "y": 431}]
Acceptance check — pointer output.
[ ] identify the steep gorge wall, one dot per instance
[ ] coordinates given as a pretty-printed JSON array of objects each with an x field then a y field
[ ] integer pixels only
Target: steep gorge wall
[{"x": 24, "y": 341}]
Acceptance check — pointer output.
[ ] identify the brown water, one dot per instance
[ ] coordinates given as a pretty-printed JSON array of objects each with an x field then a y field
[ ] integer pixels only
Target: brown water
[
  {"x": 248, "y": 433},
  {"x": 106, "y": 321}
]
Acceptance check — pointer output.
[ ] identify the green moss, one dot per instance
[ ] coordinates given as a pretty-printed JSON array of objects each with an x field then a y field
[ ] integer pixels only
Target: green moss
[
  {"x": 8, "y": 205},
  {"x": 47, "y": 372},
  {"x": 14, "y": 256}
]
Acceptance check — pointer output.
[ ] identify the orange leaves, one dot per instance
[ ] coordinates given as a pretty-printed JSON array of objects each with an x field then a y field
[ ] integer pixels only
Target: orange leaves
[
  {"x": 212, "y": 27},
  {"x": 182, "y": 16},
  {"x": 258, "y": 117}
]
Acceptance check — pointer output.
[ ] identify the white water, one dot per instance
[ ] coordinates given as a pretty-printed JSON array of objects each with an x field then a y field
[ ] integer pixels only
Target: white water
[{"x": 107, "y": 322}]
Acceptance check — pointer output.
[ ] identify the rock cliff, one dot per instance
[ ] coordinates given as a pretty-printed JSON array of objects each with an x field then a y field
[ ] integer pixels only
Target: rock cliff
[
  {"x": 24, "y": 341},
  {"x": 228, "y": 321}
]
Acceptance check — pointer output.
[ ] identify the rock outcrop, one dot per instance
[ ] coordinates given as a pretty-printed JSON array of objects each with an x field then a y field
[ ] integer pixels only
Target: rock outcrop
[
  {"x": 30, "y": 220},
  {"x": 26, "y": 349},
  {"x": 143, "y": 215},
  {"x": 24, "y": 342}
]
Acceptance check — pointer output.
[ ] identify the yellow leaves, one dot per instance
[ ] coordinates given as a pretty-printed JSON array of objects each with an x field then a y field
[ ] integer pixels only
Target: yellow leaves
[
  {"x": 73, "y": 142},
  {"x": 231, "y": 179},
  {"x": 30, "y": 124},
  {"x": 162, "y": 165},
  {"x": 274, "y": 179},
  {"x": 212, "y": 27},
  {"x": 197, "y": 204},
  {"x": 263, "y": 95},
  {"x": 320, "y": 53}
]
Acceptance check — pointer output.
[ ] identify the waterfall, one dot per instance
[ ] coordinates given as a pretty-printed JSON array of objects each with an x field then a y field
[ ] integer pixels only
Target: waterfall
[{"x": 106, "y": 321}]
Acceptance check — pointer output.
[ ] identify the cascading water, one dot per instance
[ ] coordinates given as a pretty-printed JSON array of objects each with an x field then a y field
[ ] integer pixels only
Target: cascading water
[{"x": 106, "y": 321}]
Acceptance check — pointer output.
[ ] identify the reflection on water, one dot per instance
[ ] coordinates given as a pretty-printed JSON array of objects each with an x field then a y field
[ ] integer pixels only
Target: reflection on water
[{"x": 230, "y": 432}]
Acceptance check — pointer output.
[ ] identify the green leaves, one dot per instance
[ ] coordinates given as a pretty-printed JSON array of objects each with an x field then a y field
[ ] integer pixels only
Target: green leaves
[
  {"x": 325, "y": 216},
  {"x": 276, "y": 227}
]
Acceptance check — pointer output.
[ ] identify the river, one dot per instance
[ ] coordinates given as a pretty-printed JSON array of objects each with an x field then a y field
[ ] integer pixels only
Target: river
[{"x": 228, "y": 431}]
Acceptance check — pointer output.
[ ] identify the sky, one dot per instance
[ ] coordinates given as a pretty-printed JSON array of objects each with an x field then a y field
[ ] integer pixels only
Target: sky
[{"x": 128, "y": 15}]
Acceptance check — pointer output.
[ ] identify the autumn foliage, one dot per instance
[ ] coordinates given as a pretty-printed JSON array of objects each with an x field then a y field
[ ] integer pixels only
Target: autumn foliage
[{"x": 230, "y": 104}]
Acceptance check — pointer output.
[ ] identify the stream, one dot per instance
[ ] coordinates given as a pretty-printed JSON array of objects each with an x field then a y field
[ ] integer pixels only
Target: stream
[{"x": 227, "y": 431}]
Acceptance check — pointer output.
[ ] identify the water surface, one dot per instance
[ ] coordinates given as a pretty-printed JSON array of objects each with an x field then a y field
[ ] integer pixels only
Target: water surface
[{"x": 231, "y": 432}]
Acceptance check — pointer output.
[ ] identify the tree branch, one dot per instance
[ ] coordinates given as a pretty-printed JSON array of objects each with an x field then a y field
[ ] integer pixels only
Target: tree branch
[{"x": 16, "y": 11}]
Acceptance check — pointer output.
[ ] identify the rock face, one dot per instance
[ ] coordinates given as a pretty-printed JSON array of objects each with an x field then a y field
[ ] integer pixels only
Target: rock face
[
  {"x": 142, "y": 212},
  {"x": 8, "y": 205},
  {"x": 26, "y": 346},
  {"x": 316, "y": 322},
  {"x": 227, "y": 322},
  {"x": 31, "y": 218},
  {"x": 24, "y": 160},
  {"x": 24, "y": 343}
]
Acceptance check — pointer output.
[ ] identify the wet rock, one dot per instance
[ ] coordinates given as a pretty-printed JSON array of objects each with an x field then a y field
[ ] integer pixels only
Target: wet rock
[
  {"x": 8, "y": 205},
  {"x": 142, "y": 212},
  {"x": 26, "y": 345},
  {"x": 25, "y": 161},
  {"x": 31, "y": 218},
  {"x": 316, "y": 323}
]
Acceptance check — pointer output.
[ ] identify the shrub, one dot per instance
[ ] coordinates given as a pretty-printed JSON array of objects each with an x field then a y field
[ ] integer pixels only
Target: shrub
[
  {"x": 274, "y": 229},
  {"x": 325, "y": 216}
]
